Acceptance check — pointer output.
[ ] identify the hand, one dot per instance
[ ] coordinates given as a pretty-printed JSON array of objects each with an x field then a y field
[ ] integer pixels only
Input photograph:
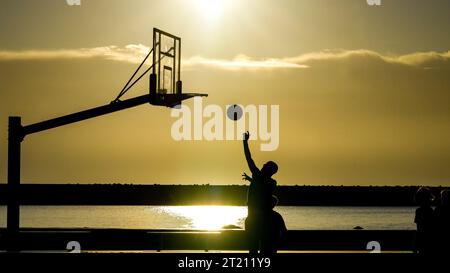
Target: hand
[
  {"x": 246, "y": 177},
  {"x": 246, "y": 136}
]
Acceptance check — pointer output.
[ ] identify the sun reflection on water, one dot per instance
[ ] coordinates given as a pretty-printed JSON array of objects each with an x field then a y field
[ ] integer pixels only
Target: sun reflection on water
[{"x": 209, "y": 217}]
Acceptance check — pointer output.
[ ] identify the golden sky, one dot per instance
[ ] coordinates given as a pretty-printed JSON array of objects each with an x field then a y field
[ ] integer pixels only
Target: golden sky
[{"x": 363, "y": 91}]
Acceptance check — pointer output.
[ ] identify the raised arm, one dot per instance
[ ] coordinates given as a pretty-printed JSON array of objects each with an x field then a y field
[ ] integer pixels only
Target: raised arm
[{"x": 248, "y": 156}]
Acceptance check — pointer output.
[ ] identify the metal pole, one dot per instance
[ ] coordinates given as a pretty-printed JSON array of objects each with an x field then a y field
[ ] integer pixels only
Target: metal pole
[
  {"x": 86, "y": 114},
  {"x": 15, "y": 137}
]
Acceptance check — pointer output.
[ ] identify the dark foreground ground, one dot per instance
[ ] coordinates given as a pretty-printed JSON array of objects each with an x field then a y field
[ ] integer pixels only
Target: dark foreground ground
[
  {"x": 115, "y": 250},
  {"x": 196, "y": 240},
  {"x": 112, "y": 250},
  {"x": 218, "y": 262}
]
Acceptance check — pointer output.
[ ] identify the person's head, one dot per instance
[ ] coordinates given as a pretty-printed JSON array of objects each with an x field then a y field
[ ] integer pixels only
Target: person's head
[
  {"x": 274, "y": 201},
  {"x": 445, "y": 197},
  {"x": 270, "y": 168},
  {"x": 424, "y": 196}
]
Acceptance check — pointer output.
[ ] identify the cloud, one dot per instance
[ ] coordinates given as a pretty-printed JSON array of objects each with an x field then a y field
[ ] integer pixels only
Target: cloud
[
  {"x": 242, "y": 62},
  {"x": 424, "y": 58},
  {"x": 130, "y": 53},
  {"x": 413, "y": 59},
  {"x": 134, "y": 53}
]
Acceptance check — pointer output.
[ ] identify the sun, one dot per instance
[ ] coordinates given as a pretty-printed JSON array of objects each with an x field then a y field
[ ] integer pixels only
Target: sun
[
  {"x": 211, "y": 9},
  {"x": 209, "y": 217}
]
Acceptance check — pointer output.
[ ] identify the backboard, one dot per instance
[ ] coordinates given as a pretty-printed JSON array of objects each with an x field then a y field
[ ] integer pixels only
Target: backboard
[
  {"x": 165, "y": 80},
  {"x": 166, "y": 60}
]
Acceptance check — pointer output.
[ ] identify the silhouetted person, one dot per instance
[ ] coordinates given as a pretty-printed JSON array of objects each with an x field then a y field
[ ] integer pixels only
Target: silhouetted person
[
  {"x": 259, "y": 197},
  {"x": 443, "y": 223},
  {"x": 425, "y": 221},
  {"x": 274, "y": 232}
]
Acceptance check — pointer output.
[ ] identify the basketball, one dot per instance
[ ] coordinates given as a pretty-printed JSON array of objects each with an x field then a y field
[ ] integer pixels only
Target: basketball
[{"x": 234, "y": 112}]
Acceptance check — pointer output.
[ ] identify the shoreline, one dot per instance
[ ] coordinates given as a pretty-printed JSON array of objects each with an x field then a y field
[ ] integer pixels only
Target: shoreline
[{"x": 233, "y": 195}]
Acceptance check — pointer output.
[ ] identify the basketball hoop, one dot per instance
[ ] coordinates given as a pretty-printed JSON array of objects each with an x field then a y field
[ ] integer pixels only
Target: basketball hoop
[{"x": 166, "y": 88}]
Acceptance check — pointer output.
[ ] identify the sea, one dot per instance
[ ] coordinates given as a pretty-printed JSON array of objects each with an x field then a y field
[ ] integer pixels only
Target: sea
[{"x": 210, "y": 217}]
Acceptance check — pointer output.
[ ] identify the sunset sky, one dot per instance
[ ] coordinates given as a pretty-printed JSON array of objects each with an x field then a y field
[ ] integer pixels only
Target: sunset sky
[{"x": 363, "y": 91}]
